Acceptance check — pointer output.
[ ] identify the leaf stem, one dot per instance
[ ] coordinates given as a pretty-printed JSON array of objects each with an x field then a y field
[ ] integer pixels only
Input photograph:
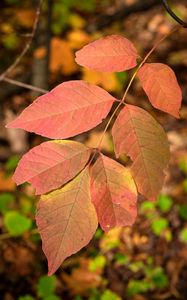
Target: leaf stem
[{"x": 132, "y": 80}]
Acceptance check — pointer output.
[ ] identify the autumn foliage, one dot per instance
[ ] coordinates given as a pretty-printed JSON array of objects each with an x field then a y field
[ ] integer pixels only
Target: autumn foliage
[{"x": 80, "y": 186}]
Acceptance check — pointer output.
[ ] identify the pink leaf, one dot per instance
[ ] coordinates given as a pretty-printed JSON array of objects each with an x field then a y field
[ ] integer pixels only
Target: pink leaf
[
  {"x": 69, "y": 109},
  {"x": 51, "y": 164},
  {"x": 160, "y": 84},
  {"x": 66, "y": 220},
  {"x": 112, "y": 53},
  {"x": 137, "y": 134},
  {"x": 113, "y": 193}
]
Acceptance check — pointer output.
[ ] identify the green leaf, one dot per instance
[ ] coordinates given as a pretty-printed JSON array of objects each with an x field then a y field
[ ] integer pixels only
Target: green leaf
[
  {"x": 137, "y": 287},
  {"x": 159, "y": 278},
  {"x": 98, "y": 234},
  {"x": 98, "y": 262},
  {"x": 185, "y": 185},
  {"x": 26, "y": 297},
  {"x": 12, "y": 162},
  {"x": 147, "y": 208},
  {"x": 183, "y": 165},
  {"x": 46, "y": 286},
  {"x": 136, "y": 266},
  {"x": 183, "y": 211},
  {"x": 183, "y": 235},
  {"x": 164, "y": 203},
  {"x": 52, "y": 297},
  {"x": 109, "y": 295},
  {"x": 16, "y": 223},
  {"x": 5, "y": 200},
  {"x": 159, "y": 225},
  {"x": 121, "y": 259}
]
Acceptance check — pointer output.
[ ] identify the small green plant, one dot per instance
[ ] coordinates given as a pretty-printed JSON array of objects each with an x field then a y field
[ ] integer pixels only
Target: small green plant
[
  {"x": 183, "y": 211},
  {"x": 6, "y": 199},
  {"x": 46, "y": 286},
  {"x": 164, "y": 203},
  {"x": 159, "y": 225},
  {"x": 16, "y": 223},
  {"x": 183, "y": 235},
  {"x": 98, "y": 263}
]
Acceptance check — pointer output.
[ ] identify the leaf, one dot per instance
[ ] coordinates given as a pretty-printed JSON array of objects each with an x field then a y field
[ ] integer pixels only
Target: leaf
[
  {"x": 113, "y": 193},
  {"x": 112, "y": 53},
  {"x": 46, "y": 286},
  {"x": 16, "y": 223},
  {"x": 51, "y": 164},
  {"x": 160, "y": 84},
  {"x": 69, "y": 109},
  {"x": 137, "y": 134},
  {"x": 66, "y": 220},
  {"x": 62, "y": 57},
  {"x": 108, "y": 81}
]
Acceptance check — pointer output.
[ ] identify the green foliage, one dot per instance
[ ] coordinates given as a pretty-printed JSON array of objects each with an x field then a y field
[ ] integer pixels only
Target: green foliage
[
  {"x": 164, "y": 203},
  {"x": 98, "y": 262},
  {"x": 159, "y": 278},
  {"x": 26, "y": 297},
  {"x": 148, "y": 209},
  {"x": 136, "y": 266},
  {"x": 185, "y": 185},
  {"x": 109, "y": 295},
  {"x": 137, "y": 287},
  {"x": 159, "y": 225},
  {"x": 155, "y": 278},
  {"x": 11, "y": 163},
  {"x": 183, "y": 235},
  {"x": 98, "y": 233},
  {"x": 46, "y": 286},
  {"x": 10, "y": 41},
  {"x": 183, "y": 165},
  {"x": 16, "y": 223},
  {"x": 52, "y": 297},
  {"x": 121, "y": 259},
  {"x": 183, "y": 211},
  {"x": 63, "y": 12},
  {"x": 5, "y": 201}
]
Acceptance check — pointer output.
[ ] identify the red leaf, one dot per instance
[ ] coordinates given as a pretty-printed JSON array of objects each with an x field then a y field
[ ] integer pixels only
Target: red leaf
[
  {"x": 113, "y": 193},
  {"x": 137, "y": 134},
  {"x": 66, "y": 220},
  {"x": 51, "y": 164},
  {"x": 112, "y": 53},
  {"x": 69, "y": 109},
  {"x": 160, "y": 84}
]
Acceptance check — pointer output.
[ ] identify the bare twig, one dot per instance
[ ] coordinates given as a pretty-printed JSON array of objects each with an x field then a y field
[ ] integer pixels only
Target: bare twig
[
  {"x": 25, "y": 85},
  {"x": 27, "y": 46},
  {"x": 173, "y": 15}
]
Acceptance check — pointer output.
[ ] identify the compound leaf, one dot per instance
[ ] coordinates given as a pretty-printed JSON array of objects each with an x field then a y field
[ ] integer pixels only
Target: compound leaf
[
  {"x": 51, "y": 164},
  {"x": 66, "y": 220},
  {"x": 160, "y": 84},
  {"x": 113, "y": 193},
  {"x": 112, "y": 53},
  {"x": 137, "y": 134},
  {"x": 69, "y": 109}
]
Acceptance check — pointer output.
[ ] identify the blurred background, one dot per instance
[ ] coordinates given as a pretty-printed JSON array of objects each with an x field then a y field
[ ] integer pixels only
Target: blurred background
[{"x": 147, "y": 261}]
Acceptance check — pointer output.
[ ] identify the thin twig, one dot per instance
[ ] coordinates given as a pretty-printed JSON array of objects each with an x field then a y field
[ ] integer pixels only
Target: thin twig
[
  {"x": 25, "y": 85},
  {"x": 27, "y": 46},
  {"x": 173, "y": 15}
]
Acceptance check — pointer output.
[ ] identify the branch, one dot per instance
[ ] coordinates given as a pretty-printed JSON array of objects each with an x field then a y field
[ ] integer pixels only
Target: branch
[
  {"x": 25, "y": 85},
  {"x": 173, "y": 15},
  {"x": 27, "y": 46}
]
